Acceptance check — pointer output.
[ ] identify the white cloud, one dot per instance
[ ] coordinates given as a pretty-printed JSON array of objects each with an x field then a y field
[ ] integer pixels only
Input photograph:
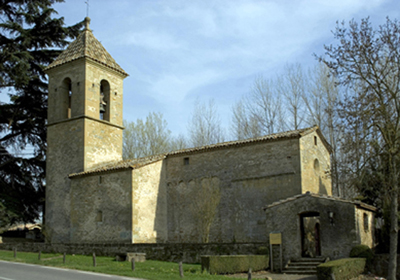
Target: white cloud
[{"x": 153, "y": 40}]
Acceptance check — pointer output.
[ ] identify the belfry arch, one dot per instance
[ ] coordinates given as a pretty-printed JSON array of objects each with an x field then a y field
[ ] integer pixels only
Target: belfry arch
[
  {"x": 65, "y": 96},
  {"x": 104, "y": 101}
]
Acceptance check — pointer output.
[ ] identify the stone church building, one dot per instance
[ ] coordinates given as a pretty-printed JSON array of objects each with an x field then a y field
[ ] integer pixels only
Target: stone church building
[{"x": 235, "y": 191}]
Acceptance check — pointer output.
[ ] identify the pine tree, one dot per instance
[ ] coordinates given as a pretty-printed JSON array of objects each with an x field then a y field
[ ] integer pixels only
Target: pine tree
[{"x": 30, "y": 39}]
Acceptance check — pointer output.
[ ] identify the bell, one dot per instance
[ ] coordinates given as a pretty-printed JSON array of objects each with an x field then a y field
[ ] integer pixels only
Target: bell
[
  {"x": 103, "y": 104},
  {"x": 102, "y": 108}
]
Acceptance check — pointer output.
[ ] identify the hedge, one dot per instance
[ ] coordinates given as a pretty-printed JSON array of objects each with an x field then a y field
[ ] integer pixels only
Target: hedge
[
  {"x": 363, "y": 251},
  {"x": 234, "y": 263},
  {"x": 343, "y": 269}
]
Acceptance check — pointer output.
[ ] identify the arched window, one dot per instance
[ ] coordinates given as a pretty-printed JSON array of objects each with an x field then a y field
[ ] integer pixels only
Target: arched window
[
  {"x": 104, "y": 100},
  {"x": 66, "y": 95},
  {"x": 316, "y": 165}
]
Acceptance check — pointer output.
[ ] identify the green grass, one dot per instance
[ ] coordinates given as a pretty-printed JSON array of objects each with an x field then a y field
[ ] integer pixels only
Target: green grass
[{"x": 152, "y": 270}]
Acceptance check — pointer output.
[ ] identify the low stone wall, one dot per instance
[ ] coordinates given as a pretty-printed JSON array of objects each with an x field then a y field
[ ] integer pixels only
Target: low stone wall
[
  {"x": 173, "y": 252},
  {"x": 234, "y": 264},
  {"x": 380, "y": 265}
]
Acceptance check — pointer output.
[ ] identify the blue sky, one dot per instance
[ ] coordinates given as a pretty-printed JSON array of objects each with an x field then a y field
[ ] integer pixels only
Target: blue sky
[{"x": 177, "y": 52}]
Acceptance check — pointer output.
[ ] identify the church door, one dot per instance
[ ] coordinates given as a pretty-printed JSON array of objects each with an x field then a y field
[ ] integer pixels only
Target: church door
[{"x": 310, "y": 235}]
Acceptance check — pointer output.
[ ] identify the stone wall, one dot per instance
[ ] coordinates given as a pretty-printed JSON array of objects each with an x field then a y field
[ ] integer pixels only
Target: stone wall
[
  {"x": 101, "y": 207},
  {"x": 173, "y": 252},
  {"x": 149, "y": 205},
  {"x": 57, "y": 102},
  {"x": 102, "y": 143},
  {"x": 248, "y": 178},
  {"x": 365, "y": 227},
  {"x": 337, "y": 236},
  {"x": 315, "y": 165},
  {"x": 65, "y": 149},
  {"x": 95, "y": 73}
]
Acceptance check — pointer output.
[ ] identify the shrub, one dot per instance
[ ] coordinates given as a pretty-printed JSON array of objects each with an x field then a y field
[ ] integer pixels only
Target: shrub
[
  {"x": 343, "y": 269},
  {"x": 362, "y": 251},
  {"x": 263, "y": 251},
  {"x": 233, "y": 264}
]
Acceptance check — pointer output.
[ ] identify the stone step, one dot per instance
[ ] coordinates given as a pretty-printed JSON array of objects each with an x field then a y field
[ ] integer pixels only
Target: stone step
[
  {"x": 305, "y": 263},
  {"x": 301, "y": 272},
  {"x": 301, "y": 267},
  {"x": 322, "y": 259}
]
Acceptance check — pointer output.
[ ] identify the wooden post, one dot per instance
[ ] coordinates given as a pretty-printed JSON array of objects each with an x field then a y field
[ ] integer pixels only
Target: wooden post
[
  {"x": 94, "y": 259},
  {"x": 275, "y": 238},
  {"x": 64, "y": 257},
  {"x": 133, "y": 264},
  {"x": 249, "y": 274},
  {"x": 280, "y": 254},
  {"x": 40, "y": 255},
  {"x": 15, "y": 252},
  {"x": 271, "y": 253},
  {"x": 180, "y": 269}
]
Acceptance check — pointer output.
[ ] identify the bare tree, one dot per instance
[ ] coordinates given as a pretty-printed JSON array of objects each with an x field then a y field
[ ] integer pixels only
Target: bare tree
[
  {"x": 371, "y": 58},
  {"x": 205, "y": 125},
  {"x": 146, "y": 138},
  {"x": 291, "y": 85},
  {"x": 259, "y": 112},
  {"x": 243, "y": 126},
  {"x": 206, "y": 198},
  {"x": 321, "y": 99},
  {"x": 178, "y": 143}
]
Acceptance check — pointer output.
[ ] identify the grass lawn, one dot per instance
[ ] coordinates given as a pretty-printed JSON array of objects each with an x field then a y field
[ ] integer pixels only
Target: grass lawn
[{"x": 152, "y": 270}]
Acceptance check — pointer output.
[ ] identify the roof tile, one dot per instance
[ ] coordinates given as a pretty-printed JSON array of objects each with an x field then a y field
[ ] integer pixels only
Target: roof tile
[
  {"x": 86, "y": 45},
  {"x": 136, "y": 163}
]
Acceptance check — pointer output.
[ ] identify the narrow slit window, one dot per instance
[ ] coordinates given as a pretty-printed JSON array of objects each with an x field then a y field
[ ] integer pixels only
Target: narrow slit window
[
  {"x": 69, "y": 100},
  {"x": 99, "y": 217},
  {"x": 315, "y": 140}
]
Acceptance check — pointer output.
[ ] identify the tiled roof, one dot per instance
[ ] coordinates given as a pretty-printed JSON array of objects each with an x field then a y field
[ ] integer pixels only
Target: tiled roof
[
  {"x": 334, "y": 198},
  {"x": 125, "y": 164},
  {"x": 86, "y": 45},
  {"x": 271, "y": 137},
  {"x": 136, "y": 163}
]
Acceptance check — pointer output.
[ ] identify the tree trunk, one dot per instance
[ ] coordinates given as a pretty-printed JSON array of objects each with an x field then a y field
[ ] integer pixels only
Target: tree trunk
[{"x": 393, "y": 223}]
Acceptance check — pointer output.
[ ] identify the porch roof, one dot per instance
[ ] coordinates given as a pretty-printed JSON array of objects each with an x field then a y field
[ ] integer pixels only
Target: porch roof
[{"x": 357, "y": 203}]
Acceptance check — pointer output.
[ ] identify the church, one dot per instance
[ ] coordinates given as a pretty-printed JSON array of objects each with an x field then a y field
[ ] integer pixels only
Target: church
[{"x": 230, "y": 192}]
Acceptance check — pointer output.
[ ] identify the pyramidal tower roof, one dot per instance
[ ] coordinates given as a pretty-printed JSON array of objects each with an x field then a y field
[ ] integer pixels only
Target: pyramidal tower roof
[{"x": 86, "y": 45}]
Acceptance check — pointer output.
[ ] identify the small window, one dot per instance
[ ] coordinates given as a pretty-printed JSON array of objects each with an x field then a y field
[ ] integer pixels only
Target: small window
[
  {"x": 366, "y": 222},
  {"x": 186, "y": 161},
  {"x": 100, "y": 180},
  {"x": 99, "y": 217},
  {"x": 315, "y": 140}
]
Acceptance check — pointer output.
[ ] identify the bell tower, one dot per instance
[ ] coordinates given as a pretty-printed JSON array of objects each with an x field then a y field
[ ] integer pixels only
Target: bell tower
[{"x": 84, "y": 129}]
